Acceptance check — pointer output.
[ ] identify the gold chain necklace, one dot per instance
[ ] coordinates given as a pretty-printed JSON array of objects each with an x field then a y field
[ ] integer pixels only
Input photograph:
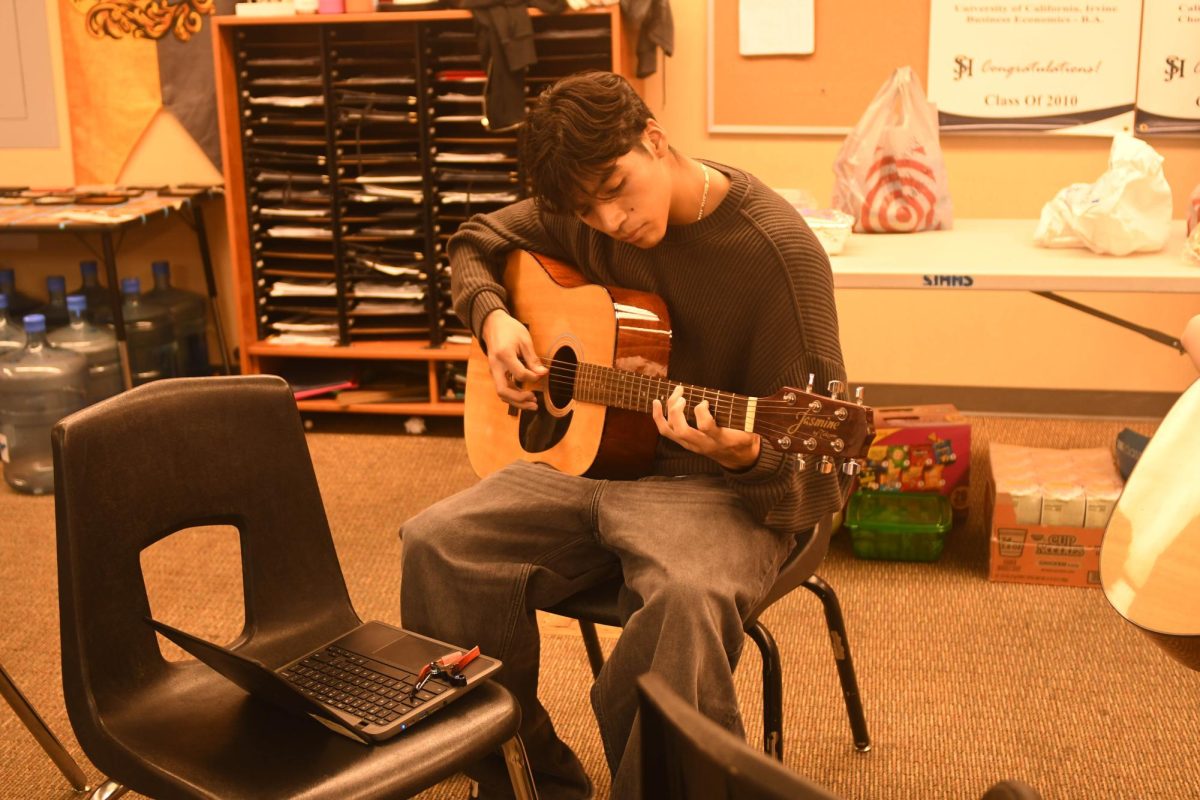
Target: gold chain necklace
[{"x": 704, "y": 197}]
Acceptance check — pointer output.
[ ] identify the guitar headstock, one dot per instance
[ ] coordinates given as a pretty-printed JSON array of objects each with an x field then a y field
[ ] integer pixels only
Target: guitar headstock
[{"x": 811, "y": 425}]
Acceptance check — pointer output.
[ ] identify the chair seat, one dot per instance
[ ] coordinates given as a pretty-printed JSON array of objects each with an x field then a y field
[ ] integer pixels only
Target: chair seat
[
  {"x": 597, "y": 605},
  {"x": 215, "y": 741}
]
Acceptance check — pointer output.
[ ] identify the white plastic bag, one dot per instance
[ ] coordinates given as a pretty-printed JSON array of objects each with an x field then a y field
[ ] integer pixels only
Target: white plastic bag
[
  {"x": 1128, "y": 210},
  {"x": 890, "y": 175}
]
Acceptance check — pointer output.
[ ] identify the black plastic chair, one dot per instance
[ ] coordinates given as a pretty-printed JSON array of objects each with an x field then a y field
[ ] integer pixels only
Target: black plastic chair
[
  {"x": 598, "y": 606},
  {"x": 174, "y": 454},
  {"x": 686, "y": 756}
]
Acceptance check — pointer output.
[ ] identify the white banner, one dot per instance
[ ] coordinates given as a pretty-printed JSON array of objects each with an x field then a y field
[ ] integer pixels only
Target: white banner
[
  {"x": 1168, "y": 98},
  {"x": 1055, "y": 66}
]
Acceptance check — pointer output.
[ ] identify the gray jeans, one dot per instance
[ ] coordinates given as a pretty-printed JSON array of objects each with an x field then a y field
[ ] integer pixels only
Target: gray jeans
[{"x": 477, "y": 565}]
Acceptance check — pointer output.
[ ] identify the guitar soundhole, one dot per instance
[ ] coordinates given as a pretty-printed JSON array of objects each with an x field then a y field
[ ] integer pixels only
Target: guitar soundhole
[
  {"x": 540, "y": 430},
  {"x": 562, "y": 377}
]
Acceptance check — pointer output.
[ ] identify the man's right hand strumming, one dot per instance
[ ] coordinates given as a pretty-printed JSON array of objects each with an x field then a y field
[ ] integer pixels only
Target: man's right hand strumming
[{"x": 512, "y": 359}]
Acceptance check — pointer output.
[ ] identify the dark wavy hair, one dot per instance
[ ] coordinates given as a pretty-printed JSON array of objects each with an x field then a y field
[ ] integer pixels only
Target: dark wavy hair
[{"x": 574, "y": 134}]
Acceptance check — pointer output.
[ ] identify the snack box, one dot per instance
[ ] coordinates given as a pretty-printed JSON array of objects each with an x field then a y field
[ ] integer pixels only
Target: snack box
[
  {"x": 922, "y": 448},
  {"x": 899, "y": 526}
]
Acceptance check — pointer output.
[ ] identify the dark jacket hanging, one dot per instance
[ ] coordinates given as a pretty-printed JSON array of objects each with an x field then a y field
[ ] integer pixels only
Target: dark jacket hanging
[
  {"x": 656, "y": 28},
  {"x": 506, "y": 46}
]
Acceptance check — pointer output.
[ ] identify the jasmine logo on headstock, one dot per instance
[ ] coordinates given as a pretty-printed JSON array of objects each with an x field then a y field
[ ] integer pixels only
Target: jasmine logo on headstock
[{"x": 805, "y": 421}]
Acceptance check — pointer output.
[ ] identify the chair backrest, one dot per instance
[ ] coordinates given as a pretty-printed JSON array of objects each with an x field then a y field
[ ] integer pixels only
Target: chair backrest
[
  {"x": 167, "y": 456},
  {"x": 799, "y": 566},
  {"x": 687, "y": 756}
]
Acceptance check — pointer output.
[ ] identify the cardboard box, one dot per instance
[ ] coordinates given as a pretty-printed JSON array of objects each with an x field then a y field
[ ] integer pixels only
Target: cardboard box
[
  {"x": 1024, "y": 553},
  {"x": 923, "y": 448},
  {"x": 1049, "y": 509}
]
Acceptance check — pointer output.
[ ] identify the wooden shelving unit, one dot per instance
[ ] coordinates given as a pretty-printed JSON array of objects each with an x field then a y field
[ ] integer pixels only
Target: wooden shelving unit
[{"x": 353, "y": 142}]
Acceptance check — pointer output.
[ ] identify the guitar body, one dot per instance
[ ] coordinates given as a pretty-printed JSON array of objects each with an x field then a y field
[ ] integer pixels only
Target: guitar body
[
  {"x": 1150, "y": 555},
  {"x": 571, "y": 321}
]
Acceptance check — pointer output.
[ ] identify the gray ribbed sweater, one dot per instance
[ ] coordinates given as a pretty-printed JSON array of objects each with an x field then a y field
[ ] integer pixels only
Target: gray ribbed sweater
[{"x": 750, "y": 294}]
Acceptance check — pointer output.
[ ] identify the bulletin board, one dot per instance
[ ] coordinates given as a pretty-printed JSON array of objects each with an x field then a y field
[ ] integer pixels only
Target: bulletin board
[{"x": 858, "y": 45}]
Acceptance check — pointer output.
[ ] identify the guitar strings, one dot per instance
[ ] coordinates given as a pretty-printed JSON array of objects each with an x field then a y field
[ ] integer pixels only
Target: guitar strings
[
  {"x": 714, "y": 403},
  {"x": 768, "y": 430},
  {"x": 763, "y": 403}
]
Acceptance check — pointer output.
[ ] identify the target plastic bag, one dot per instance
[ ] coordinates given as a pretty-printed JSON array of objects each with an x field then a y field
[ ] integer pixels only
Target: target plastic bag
[
  {"x": 1127, "y": 210},
  {"x": 890, "y": 175}
]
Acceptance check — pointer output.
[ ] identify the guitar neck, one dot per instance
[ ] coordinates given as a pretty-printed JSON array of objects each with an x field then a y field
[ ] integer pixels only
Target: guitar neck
[{"x": 616, "y": 388}]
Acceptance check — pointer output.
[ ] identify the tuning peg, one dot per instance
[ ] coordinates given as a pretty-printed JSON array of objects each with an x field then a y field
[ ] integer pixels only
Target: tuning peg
[
  {"x": 836, "y": 389},
  {"x": 858, "y": 395},
  {"x": 851, "y": 467},
  {"x": 825, "y": 465},
  {"x": 801, "y": 462},
  {"x": 808, "y": 387}
]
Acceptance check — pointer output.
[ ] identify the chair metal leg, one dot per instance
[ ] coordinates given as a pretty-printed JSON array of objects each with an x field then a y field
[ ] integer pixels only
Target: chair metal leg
[
  {"x": 591, "y": 641},
  {"x": 772, "y": 692},
  {"x": 42, "y": 733},
  {"x": 109, "y": 790},
  {"x": 841, "y": 654},
  {"x": 519, "y": 771}
]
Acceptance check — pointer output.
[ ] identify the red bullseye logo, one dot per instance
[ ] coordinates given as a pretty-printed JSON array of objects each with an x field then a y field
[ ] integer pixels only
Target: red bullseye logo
[{"x": 901, "y": 195}]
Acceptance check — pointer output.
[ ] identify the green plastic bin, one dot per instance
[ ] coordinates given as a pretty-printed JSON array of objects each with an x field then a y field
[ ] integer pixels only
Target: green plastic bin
[{"x": 899, "y": 526}]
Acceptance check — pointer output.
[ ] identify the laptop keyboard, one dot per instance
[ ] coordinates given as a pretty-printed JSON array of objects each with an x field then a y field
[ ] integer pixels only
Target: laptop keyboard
[{"x": 343, "y": 680}]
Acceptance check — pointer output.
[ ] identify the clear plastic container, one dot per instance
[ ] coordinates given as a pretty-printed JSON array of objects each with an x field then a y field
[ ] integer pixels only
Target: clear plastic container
[
  {"x": 99, "y": 301},
  {"x": 38, "y": 386},
  {"x": 96, "y": 344},
  {"x": 189, "y": 312},
  {"x": 12, "y": 336},
  {"x": 55, "y": 308},
  {"x": 153, "y": 353},
  {"x": 831, "y": 226},
  {"x": 899, "y": 526},
  {"x": 19, "y": 304}
]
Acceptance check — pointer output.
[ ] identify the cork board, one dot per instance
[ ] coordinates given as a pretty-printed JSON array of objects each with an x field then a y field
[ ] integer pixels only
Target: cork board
[{"x": 858, "y": 45}]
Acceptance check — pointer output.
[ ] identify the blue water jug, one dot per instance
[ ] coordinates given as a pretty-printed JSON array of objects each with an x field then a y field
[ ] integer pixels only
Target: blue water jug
[
  {"x": 96, "y": 344},
  {"x": 38, "y": 386},
  {"x": 153, "y": 353},
  {"x": 12, "y": 337},
  {"x": 19, "y": 304},
  {"x": 55, "y": 308},
  {"x": 99, "y": 301},
  {"x": 188, "y": 315}
]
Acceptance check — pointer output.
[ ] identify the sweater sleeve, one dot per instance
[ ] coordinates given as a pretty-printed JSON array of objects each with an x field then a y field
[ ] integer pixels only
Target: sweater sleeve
[
  {"x": 775, "y": 491},
  {"x": 479, "y": 249}
]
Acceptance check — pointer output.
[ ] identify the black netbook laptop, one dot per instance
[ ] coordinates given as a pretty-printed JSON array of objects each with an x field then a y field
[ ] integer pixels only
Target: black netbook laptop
[{"x": 360, "y": 685}]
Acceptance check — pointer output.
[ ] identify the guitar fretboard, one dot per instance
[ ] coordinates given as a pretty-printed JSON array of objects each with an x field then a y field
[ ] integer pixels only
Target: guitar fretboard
[{"x": 617, "y": 388}]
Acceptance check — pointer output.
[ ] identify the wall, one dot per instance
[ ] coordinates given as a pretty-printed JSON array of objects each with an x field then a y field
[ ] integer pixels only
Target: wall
[{"x": 945, "y": 336}]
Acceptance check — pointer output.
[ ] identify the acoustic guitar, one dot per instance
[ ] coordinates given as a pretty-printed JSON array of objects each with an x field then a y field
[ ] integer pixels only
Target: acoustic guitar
[
  {"x": 1150, "y": 554},
  {"x": 607, "y": 351}
]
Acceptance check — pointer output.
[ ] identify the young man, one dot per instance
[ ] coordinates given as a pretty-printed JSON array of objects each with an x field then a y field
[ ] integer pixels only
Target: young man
[{"x": 750, "y": 296}]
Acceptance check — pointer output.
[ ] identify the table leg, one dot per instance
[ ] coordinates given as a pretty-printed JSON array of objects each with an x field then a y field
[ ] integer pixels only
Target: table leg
[
  {"x": 210, "y": 278},
  {"x": 1149, "y": 333},
  {"x": 115, "y": 297}
]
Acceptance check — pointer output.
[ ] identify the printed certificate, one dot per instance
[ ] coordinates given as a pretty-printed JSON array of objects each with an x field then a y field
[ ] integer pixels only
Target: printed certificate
[
  {"x": 1058, "y": 66},
  {"x": 1168, "y": 96}
]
